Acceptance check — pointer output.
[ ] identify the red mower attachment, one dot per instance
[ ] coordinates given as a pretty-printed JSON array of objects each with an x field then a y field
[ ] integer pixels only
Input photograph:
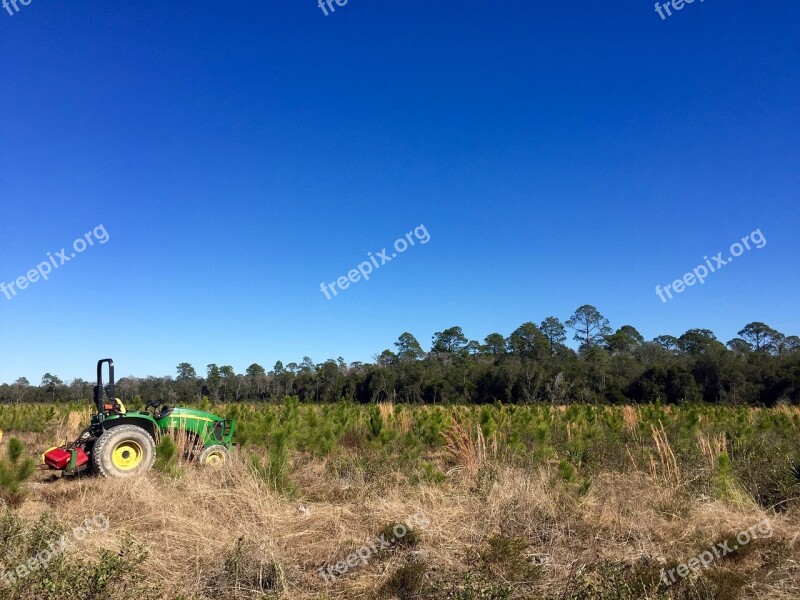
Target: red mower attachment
[{"x": 61, "y": 459}]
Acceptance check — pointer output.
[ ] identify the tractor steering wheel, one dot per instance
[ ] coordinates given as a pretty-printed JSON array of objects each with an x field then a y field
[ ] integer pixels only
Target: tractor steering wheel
[{"x": 155, "y": 404}]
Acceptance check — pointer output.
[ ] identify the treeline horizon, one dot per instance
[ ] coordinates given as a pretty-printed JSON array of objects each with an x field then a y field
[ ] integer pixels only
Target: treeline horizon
[{"x": 760, "y": 367}]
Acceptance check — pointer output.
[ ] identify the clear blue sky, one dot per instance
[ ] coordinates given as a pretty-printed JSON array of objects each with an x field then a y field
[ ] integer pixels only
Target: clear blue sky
[{"x": 240, "y": 153}]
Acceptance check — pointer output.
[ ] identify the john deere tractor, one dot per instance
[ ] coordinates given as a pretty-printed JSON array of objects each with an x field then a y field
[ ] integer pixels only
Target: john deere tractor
[{"x": 121, "y": 443}]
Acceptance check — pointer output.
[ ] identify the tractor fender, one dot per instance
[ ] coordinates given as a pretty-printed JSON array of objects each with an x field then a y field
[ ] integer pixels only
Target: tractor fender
[{"x": 145, "y": 422}]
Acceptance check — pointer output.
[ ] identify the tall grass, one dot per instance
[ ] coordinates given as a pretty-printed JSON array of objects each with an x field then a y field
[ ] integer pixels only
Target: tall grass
[
  {"x": 722, "y": 451},
  {"x": 525, "y": 501}
]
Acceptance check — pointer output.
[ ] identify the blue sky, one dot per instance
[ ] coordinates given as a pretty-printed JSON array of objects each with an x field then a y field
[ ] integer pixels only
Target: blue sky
[{"x": 240, "y": 153}]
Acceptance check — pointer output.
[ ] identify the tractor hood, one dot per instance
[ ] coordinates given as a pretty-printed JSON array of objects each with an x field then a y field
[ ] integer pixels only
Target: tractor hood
[
  {"x": 209, "y": 428},
  {"x": 191, "y": 413}
]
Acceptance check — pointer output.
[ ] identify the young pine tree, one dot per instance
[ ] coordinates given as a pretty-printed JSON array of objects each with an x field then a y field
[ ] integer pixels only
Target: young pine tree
[{"x": 14, "y": 471}]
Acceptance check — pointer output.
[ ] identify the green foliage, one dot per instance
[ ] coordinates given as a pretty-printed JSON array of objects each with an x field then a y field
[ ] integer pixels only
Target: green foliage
[
  {"x": 15, "y": 470},
  {"x": 275, "y": 471},
  {"x": 167, "y": 457},
  {"x": 106, "y": 574},
  {"x": 724, "y": 484},
  {"x": 620, "y": 582},
  {"x": 504, "y": 559},
  {"x": 407, "y": 582},
  {"x": 27, "y": 417},
  {"x": 475, "y": 587},
  {"x": 381, "y": 443},
  {"x": 567, "y": 472},
  {"x": 430, "y": 473},
  {"x": 526, "y": 365},
  {"x": 68, "y": 575},
  {"x": 400, "y": 535},
  {"x": 375, "y": 423},
  {"x": 279, "y": 458},
  {"x": 430, "y": 426}
]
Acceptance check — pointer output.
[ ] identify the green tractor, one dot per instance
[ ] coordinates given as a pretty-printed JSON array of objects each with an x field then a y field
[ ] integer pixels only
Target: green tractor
[{"x": 121, "y": 443}]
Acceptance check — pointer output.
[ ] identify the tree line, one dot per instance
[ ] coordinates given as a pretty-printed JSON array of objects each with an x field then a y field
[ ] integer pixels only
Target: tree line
[{"x": 760, "y": 367}]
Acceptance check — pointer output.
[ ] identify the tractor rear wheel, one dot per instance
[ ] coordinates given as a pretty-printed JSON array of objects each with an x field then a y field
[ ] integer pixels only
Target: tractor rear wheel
[
  {"x": 123, "y": 451},
  {"x": 214, "y": 456}
]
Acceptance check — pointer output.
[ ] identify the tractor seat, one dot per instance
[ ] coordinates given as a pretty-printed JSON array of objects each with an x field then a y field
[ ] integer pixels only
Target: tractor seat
[{"x": 116, "y": 406}]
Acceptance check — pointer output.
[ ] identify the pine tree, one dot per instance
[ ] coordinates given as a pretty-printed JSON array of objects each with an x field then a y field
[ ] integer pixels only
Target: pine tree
[{"x": 14, "y": 471}]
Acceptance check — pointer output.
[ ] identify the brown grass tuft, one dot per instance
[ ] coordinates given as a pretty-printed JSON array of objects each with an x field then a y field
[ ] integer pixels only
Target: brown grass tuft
[{"x": 467, "y": 451}]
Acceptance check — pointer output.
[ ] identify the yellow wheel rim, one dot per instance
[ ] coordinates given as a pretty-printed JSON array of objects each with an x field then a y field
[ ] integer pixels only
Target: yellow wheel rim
[
  {"x": 126, "y": 455},
  {"x": 217, "y": 457}
]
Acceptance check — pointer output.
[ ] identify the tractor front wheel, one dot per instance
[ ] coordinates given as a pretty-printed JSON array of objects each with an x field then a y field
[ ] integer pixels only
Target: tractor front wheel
[
  {"x": 123, "y": 451},
  {"x": 214, "y": 456}
]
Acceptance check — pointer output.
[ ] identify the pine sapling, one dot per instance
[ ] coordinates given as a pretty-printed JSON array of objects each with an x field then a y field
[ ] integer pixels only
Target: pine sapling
[{"x": 14, "y": 471}]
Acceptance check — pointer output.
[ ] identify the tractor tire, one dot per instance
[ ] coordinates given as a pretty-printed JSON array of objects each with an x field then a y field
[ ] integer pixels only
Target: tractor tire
[
  {"x": 123, "y": 451},
  {"x": 214, "y": 456}
]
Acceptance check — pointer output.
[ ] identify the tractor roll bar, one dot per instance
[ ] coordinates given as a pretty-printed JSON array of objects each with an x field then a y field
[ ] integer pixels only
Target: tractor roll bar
[{"x": 98, "y": 388}]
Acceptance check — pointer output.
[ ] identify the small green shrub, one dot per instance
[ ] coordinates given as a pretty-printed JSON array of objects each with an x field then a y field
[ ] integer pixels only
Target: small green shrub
[
  {"x": 472, "y": 587},
  {"x": 279, "y": 458},
  {"x": 71, "y": 574},
  {"x": 14, "y": 472},
  {"x": 407, "y": 582},
  {"x": 400, "y": 535},
  {"x": 273, "y": 473},
  {"x": 621, "y": 582},
  {"x": 723, "y": 481},
  {"x": 428, "y": 472},
  {"x": 504, "y": 558},
  {"x": 567, "y": 472},
  {"x": 167, "y": 457}
]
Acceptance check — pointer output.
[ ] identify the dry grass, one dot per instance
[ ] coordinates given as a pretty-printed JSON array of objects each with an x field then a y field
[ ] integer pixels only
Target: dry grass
[
  {"x": 466, "y": 450},
  {"x": 496, "y": 531},
  {"x": 712, "y": 448},
  {"x": 70, "y": 425},
  {"x": 631, "y": 418},
  {"x": 664, "y": 466},
  {"x": 225, "y": 534}
]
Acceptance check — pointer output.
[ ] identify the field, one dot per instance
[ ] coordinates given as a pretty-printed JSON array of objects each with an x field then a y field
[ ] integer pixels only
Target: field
[{"x": 478, "y": 502}]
